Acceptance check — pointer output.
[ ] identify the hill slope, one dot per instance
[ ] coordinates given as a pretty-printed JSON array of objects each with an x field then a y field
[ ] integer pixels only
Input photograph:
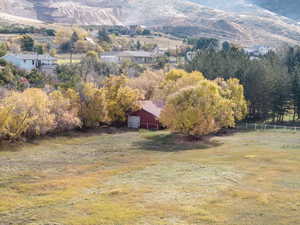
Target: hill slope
[
  {"x": 288, "y": 8},
  {"x": 241, "y": 21}
]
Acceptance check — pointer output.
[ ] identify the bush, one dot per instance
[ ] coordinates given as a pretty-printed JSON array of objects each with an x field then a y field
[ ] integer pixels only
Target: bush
[
  {"x": 29, "y": 114},
  {"x": 65, "y": 113}
]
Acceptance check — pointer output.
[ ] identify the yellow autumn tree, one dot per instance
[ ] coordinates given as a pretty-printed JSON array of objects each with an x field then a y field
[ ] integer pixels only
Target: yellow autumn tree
[
  {"x": 92, "y": 106},
  {"x": 65, "y": 113},
  {"x": 73, "y": 97},
  {"x": 120, "y": 99},
  {"x": 29, "y": 114},
  {"x": 234, "y": 91},
  {"x": 175, "y": 74},
  {"x": 4, "y": 120},
  {"x": 147, "y": 83},
  {"x": 198, "y": 110},
  {"x": 174, "y": 81}
]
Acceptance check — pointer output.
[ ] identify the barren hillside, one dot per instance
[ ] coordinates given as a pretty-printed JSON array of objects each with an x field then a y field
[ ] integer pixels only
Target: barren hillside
[{"x": 240, "y": 21}]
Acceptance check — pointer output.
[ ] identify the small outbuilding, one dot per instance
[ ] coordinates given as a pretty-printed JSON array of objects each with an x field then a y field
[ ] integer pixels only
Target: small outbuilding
[{"x": 147, "y": 117}]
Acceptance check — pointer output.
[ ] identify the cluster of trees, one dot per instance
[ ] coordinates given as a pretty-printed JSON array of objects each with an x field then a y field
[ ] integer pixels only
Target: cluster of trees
[
  {"x": 271, "y": 81},
  {"x": 35, "y": 111},
  {"x": 75, "y": 41},
  {"x": 118, "y": 30},
  {"x": 92, "y": 69},
  {"x": 89, "y": 69},
  {"x": 17, "y": 29},
  {"x": 26, "y": 43},
  {"x": 13, "y": 78},
  {"x": 204, "y": 43},
  {"x": 194, "y": 105}
]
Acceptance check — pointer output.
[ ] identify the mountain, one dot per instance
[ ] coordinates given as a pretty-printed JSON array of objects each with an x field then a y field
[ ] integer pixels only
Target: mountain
[
  {"x": 245, "y": 22},
  {"x": 287, "y": 8}
]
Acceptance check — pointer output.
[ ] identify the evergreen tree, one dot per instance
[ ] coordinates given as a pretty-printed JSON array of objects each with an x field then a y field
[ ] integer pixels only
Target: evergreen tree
[{"x": 27, "y": 43}]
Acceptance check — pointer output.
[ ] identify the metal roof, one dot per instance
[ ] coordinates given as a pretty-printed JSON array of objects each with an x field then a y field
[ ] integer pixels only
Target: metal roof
[
  {"x": 32, "y": 56},
  {"x": 151, "y": 107},
  {"x": 130, "y": 54}
]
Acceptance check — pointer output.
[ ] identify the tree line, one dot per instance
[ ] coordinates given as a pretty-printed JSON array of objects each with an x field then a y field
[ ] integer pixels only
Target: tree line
[
  {"x": 271, "y": 81},
  {"x": 35, "y": 111},
  {"x": 193, "y": 105}
]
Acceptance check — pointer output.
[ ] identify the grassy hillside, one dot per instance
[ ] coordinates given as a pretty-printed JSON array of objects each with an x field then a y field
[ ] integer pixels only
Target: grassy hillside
[
  {"x": 124, "y": 177},
  {"x": 288, "y": 8}
]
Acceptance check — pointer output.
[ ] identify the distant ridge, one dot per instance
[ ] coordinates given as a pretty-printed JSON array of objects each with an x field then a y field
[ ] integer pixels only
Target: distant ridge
[{"x": 244, "y": 22}]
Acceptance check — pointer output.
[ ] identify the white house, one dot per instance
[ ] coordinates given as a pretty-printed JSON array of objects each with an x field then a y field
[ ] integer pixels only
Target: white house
[
  {"x": 29, "y": 62},
  {"x": 258, "y": 50}
]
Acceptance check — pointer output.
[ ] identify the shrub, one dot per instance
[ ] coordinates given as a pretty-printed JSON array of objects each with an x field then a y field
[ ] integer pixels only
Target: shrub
[{"x": 65, "y": 113}]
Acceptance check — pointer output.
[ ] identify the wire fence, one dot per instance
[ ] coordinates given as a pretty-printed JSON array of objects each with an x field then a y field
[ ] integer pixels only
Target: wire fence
[{"x": 261, "y": 126}]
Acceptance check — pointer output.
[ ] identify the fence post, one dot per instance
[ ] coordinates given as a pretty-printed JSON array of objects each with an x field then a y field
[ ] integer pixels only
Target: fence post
[{"x": 255, "y": 126}]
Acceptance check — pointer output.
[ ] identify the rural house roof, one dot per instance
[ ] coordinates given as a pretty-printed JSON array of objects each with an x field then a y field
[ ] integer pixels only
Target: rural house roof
[
  {"x": 130, "y": 54},
  {"x": 151, "y": 107},
  {"x": 31, "y": 56}
]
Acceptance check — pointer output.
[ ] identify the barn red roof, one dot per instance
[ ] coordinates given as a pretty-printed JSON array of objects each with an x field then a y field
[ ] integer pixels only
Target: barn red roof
[{"x": 152, "y": 107}]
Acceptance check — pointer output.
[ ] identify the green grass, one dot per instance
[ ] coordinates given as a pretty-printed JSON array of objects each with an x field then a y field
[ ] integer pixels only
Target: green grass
[
  {"x": 67, "y": 61},
  {"x": 65, "y": 58},
  {"x": 120, "y": 177}
]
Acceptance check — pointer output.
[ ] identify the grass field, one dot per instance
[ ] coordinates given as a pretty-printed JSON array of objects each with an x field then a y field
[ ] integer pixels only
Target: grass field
[
  {"x": 113, "y": 177},
  {"x": 65, "y": 58}
]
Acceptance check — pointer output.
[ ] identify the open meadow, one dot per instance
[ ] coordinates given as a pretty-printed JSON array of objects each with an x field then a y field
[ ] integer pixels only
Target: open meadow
[{"x": 121, "y": 177}]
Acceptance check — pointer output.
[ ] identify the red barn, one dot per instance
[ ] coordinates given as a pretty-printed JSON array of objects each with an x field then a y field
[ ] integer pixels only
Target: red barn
[{"x": 147, "y": 117}]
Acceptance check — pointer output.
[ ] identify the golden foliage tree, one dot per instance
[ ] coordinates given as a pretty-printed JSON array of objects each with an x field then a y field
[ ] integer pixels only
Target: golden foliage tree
[
  {"x": 66, "y": 114},
  {"x": 174, "y": 81},
  {"x": 201, "y": 109},
  {"x": 120, "y": 99},
  {"x": 234, "y": 91},
  {"x": 4, "y": 119},
  {"x": 92, "y": 105},
  {"x": 147, "y": 83},
  {"x": 29, "y": 113}
]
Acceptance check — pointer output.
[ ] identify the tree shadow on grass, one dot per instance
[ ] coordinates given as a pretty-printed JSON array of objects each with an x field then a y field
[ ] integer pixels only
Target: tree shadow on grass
[
  {"x": 166, "y": 142},
  {"x": 7, "y": 146}
]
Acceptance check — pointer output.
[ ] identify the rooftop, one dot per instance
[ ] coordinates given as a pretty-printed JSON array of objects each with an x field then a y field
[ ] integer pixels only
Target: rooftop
[
  {"x": 31, "y": 56},
  {"x": 129, "y": 54},
  {"x": 152, "y": 107}
]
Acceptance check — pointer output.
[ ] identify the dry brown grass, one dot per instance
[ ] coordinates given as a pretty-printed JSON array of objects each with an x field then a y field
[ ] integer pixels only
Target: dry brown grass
[{"x": 152, "y": 178}]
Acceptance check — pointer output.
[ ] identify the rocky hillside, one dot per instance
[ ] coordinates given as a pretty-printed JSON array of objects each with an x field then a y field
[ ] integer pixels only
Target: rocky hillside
[{"x": 242, "y": 21}]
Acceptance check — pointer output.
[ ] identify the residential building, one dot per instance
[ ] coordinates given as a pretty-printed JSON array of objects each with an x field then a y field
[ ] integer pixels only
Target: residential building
[
  {"x": 29, "y": 62},
  {"x": 139, "y": 57}
]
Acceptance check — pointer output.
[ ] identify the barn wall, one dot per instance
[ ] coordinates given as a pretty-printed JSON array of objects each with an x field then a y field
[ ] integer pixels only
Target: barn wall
[{"x": 148, "y": 121}]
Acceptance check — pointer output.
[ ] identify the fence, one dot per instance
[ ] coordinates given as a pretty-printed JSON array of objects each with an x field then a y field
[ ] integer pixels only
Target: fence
[{"x": 260, "y": 126}]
